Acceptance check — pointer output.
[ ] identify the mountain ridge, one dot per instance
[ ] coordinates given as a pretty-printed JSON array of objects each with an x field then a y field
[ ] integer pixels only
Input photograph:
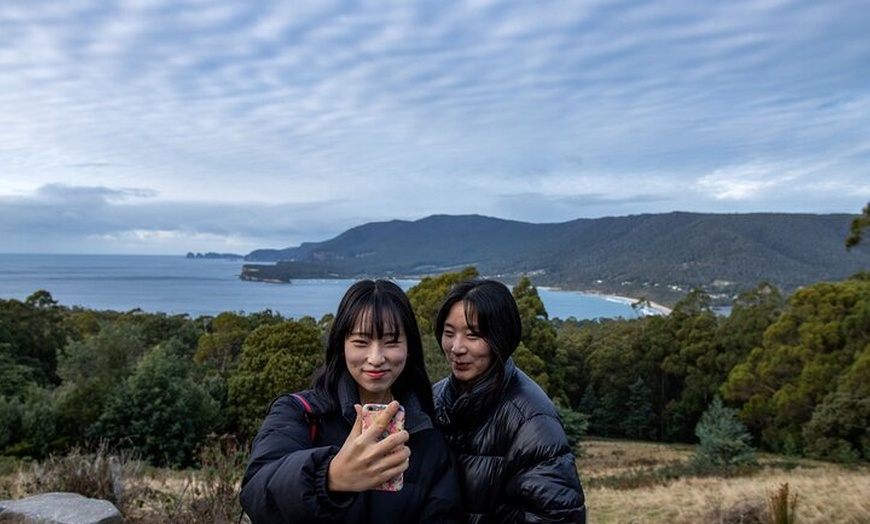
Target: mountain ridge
[{"x": 656, "y": 256}]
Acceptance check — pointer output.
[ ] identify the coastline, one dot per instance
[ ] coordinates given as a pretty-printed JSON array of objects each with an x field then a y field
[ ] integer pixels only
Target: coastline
[{"x": 651, "y": 308}]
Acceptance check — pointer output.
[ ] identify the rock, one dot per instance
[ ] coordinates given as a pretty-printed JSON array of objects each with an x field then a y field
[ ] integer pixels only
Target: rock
[{"x": 59, "y": 508}]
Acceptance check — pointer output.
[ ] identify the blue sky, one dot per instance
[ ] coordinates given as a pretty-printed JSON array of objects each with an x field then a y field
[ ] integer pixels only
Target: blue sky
[{"x": 158, "y": 126}]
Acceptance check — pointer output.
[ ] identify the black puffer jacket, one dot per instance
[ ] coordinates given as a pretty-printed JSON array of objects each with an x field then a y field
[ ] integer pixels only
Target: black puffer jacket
[
  {"x": 515, "y": 464},
  {"x": 285, "y": 481}
]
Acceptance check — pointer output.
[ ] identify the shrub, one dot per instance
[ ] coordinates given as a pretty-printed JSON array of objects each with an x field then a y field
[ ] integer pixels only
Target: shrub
[
  {"x": 723, "y": 439},
  {"x": 575, "y": 424},
  {"x": 160, "y": 411}
]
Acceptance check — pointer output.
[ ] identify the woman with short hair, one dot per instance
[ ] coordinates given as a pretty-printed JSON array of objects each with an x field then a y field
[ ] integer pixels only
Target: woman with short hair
[{"x": 515, "y": 463}]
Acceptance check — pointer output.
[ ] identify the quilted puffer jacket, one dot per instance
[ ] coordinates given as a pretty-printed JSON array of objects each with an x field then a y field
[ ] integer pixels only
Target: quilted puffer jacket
[
  {"x": 286, "y": 478},
  {"x": 515, "y": 463}
]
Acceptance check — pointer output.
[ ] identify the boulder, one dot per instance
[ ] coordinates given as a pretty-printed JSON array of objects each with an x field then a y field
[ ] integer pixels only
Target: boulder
[{"x": 59, "y": 508}]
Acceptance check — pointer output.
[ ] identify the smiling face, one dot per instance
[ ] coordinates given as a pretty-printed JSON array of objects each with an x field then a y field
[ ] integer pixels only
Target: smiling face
[
  {"x": 375, "y": 363},
  {"x": 468, "y": 353}
]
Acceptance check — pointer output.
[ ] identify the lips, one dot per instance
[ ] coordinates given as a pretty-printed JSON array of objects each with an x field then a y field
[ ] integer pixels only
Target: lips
[{"x": 376, "y": 375}]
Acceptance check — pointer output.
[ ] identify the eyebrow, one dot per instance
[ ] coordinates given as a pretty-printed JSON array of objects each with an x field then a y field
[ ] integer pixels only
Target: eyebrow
[{"x": 372, "y": 334}]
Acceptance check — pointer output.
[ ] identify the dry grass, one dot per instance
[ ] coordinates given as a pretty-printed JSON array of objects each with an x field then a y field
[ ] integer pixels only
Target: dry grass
[
  {"x": 825, "y": 492},
  {"x": 144, "y": 495},
  {"x": 625, "y": 483}
]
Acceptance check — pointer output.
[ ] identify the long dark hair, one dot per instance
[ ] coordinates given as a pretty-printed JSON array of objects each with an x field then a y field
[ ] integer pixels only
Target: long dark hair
[
  {"x": 386, "y": 309},
  {"x": 497, "y": 318}
]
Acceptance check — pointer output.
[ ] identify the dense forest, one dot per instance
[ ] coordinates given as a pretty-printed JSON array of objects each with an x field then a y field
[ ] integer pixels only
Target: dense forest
[{"x": 796, "y": 367}]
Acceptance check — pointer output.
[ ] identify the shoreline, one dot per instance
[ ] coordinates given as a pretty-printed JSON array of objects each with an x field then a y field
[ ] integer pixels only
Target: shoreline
[{"x": 653, "y": 308}]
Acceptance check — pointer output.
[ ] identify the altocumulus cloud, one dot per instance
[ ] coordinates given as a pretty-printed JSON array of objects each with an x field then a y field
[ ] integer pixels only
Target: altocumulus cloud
[{"x": 265, "y": 124}]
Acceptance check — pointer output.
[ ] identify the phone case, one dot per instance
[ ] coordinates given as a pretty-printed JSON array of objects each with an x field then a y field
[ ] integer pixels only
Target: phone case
[{"x": 396, "y": 424}]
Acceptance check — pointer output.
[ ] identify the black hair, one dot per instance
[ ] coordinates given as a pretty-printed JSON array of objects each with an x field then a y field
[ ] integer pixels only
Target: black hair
[
  {"x": 387, "y": 311},
  {"x": 495, "y": 315}
]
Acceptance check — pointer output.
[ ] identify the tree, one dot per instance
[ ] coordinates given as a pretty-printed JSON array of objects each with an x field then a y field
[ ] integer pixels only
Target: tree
[
  {"x": 275, "y": 359},
  {"x": 532, "y": 365},
  {"x": 857, "y": 227},
  {"x": 426, "y": 297},
  {"x": 575, "y": 424},
  {"x": 15, "y": 377},
  {"x": 10, "y": 421},
  {"x": 160, "y": 411},
  {"x": 32, "y": 334},
  {"x": 839, "y": 429},
  {"x": 539, "y": 335},
  {"x": 39, "y": 430},
  {"x": 92, "y": 369},
  {"x": 639, "y": 421},
  {"x": 806, "y": 354},
  {"x": 752, "y": 312},
  {"x": 722, "y": 439},
  {"x": 692, "y": 360}
]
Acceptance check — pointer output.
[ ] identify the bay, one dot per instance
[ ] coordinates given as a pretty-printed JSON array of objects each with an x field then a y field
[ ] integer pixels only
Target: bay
[{"x": 197, "y": 287}]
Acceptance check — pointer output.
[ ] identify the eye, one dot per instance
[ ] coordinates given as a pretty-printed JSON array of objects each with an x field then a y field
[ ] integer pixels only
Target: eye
[{"x": 448, "y": 333}]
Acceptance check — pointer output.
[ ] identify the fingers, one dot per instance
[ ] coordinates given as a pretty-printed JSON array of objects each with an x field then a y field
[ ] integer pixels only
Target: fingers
[
  {"x": 384, "y": 416},
  {"x": 379, "y": 423},
  {"x": 392, "y": 442},
  {"x": 392, "y": 466},
  {"x": 365, "y": 460},
  {"x": 356, "y": 430}
]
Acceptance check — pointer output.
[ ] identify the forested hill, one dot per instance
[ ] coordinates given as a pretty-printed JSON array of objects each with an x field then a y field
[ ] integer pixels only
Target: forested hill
[{"x": 659, "y": 256}]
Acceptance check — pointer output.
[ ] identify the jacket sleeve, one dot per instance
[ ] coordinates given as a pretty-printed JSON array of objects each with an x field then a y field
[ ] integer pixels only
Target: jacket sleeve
[
  {"x": 444, "y": 500},
  {"x": 543, "y": 477},
  {"x": 285, "y": 481}
]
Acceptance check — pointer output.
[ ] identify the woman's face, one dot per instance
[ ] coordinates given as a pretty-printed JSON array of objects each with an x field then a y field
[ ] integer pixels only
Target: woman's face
[
  {"x": 374, "y": 363},
  {"x": 468, "y": 353}
]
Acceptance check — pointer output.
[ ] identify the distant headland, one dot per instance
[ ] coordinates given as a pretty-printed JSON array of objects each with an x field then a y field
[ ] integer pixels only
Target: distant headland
[{"x": 213, "y": 255}]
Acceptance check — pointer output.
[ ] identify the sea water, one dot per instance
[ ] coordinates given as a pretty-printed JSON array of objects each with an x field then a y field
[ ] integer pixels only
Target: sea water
[{"x": 196, "y": 287}]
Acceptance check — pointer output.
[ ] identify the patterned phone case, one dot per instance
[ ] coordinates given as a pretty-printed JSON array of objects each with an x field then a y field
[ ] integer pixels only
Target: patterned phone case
[{"x": 396, "y": 424}]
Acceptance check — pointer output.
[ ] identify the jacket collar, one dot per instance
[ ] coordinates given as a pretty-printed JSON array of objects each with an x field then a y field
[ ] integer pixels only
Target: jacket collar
[{"x": 462, "y": 405}]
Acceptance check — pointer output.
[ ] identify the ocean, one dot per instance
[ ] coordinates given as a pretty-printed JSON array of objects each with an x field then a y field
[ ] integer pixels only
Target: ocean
[{"x": 197, "y": 287}]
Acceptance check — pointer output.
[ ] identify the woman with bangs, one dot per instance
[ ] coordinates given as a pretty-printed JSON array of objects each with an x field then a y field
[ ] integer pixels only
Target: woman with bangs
[
  {"x": 312, "y": 461},
  {"x": 515, "y": 464}
]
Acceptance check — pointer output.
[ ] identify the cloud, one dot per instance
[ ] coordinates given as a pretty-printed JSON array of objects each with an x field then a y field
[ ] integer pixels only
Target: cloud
[{"x": 316, "y": 116}]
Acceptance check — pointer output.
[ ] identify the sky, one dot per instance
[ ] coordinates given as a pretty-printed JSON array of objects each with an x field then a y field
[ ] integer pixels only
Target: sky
[{"x": 168, "y": 126}]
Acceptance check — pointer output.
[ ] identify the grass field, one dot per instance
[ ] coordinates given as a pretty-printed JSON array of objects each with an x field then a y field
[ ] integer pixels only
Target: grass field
[{"x": 624, "y": 484}]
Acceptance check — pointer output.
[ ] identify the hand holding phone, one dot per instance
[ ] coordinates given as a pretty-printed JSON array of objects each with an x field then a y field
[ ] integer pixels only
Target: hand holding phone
[
  {"x": 396, "y": 424},
  {"x": 368, "y": 456}
]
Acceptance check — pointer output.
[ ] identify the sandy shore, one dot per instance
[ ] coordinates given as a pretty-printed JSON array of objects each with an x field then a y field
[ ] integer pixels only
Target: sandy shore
[{"x": 650, "y": 308}]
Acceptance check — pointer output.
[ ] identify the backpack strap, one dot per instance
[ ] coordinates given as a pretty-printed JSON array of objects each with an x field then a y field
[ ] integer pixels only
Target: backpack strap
[{"x": 309, "y": 414}]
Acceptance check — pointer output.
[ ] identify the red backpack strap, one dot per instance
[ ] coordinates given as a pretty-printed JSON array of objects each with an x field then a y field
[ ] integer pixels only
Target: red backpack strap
[{"x": 309, "y": 414}]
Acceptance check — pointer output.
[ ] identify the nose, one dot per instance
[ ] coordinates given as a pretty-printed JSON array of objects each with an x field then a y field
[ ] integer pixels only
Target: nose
[
  {"x": 456, "y": 346},
  {"x": 375, "y": 356}
]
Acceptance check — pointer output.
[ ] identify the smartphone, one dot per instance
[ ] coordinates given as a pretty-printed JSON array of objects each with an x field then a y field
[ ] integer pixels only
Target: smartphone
[{"x": 397, "y": 424}]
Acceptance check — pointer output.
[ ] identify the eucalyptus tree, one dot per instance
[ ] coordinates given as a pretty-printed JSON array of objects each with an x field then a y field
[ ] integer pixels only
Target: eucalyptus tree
[
  {"x": 32, "y": 335},
  {"x": 275, "y": 359},
  {"x": 539, "y": 335},
  {"x": 815, "y": 351},
  {"x": 692, "y": 361}
]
